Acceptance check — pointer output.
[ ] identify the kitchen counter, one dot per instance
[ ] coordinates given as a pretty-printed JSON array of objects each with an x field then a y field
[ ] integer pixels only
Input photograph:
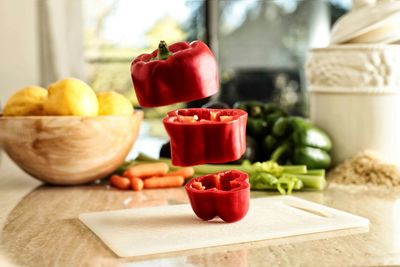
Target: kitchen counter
[{"x": 40, "y": 227}]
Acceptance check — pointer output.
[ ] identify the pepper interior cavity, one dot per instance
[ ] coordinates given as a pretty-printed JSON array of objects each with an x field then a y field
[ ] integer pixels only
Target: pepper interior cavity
[
  {"x": 223, "y": 181},
  {"x": 205, "y": 115}
]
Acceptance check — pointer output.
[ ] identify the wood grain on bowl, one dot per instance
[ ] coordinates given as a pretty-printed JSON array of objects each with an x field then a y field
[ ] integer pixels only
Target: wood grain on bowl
[{"x": 69, "y": 150}]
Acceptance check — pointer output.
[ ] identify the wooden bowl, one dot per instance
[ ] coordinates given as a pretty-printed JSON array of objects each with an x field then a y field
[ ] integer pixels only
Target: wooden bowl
[{"x": 69, "y": 150}]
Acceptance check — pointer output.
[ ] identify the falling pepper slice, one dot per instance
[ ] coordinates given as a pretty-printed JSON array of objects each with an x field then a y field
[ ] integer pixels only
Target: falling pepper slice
[
  {"x": 177, "y": 73},
  {"x": 201, "y": 135},
  {"x": 224, "y": 194}
]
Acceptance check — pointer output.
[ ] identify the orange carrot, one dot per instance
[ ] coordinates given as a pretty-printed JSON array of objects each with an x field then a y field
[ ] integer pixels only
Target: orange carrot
[
  {"x": 164, "y": 182},
  {"x": 120, "y": 182},
  {"x": 137, "y": 184},
  {"x": 146, "y": 170},
  {"x": 185, "y": 172}
]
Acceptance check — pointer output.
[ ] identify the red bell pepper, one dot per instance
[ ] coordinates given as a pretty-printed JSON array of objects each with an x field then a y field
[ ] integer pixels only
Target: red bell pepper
[
  {"x": 224, "y": 194},
  {"x": 178, "y": 73},
  {"x": 202, "y": 135}
]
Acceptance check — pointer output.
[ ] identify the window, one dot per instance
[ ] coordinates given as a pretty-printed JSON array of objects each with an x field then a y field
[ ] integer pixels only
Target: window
[
  {"x": 260, "y": 45},
  {"x": 116, "y": 31}
]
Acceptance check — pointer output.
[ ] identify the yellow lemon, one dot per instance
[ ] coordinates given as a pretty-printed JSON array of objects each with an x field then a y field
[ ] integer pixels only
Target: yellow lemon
[
  {"x": 112, "y": 103},
  {"x": 71, "y": 97},
  {"x": 26, "y": 101}
]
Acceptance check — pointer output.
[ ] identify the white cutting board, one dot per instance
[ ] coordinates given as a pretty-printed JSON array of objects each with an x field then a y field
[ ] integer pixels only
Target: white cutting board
[{"x": 145, "y": 231}]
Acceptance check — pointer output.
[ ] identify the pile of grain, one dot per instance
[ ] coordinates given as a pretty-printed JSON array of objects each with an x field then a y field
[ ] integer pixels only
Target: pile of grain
[{"x": 365, "y": 168}]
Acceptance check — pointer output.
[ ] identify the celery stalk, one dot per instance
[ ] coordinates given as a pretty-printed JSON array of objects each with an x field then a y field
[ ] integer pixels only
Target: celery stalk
[
  {"x": 295, "y": 169},
  {"x": 316, "y": 182},
  {"x": 211, "y": 168},
  {"x": 311, "y": 179},
  {"x": 320, "y": 172}
]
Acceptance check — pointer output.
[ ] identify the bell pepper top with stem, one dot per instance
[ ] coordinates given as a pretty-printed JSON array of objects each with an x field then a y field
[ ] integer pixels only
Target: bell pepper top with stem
[
  {"x": 177, "y": 73},
  {"x": 202, "y": 135},
  {"x": 225, "y": 194},
  {"x": 163, "y": 52}
]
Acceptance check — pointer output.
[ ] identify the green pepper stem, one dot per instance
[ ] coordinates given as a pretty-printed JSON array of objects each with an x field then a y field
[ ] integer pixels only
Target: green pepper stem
[
  {"x": 163, "y": 52},
  {"x": 277, "y": 154}
]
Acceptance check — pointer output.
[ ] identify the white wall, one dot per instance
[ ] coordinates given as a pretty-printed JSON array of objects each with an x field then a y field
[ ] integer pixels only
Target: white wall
[{"x": 19, "y": 46}]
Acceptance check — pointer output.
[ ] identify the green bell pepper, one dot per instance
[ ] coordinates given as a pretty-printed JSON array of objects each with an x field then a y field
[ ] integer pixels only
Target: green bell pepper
[
  {"x": 256, "y": 127},
  {"x": 270, "y": 143},
  {"x": 261, "y": 117},
  {"x": 254, "y": 109},
  {"x": 300, "y": 143}
]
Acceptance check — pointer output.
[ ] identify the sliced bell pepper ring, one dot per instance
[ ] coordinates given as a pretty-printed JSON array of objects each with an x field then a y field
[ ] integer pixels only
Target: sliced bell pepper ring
[
  {"x": 177, "y": 73},
  {"x": 201, "y": 135},
  {"x": 224, "y": 194}
]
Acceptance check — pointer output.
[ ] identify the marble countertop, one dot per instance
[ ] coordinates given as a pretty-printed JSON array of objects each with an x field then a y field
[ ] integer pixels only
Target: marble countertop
[{"x": 40, "y": 227}]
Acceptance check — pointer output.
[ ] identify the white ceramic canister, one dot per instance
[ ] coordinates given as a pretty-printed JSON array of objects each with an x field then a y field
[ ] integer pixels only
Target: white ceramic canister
[{"x": 355, "y": 97}]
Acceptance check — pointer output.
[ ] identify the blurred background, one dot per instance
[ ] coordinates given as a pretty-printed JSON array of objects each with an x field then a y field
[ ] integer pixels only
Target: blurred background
[{"x": 261, "y": 46}]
